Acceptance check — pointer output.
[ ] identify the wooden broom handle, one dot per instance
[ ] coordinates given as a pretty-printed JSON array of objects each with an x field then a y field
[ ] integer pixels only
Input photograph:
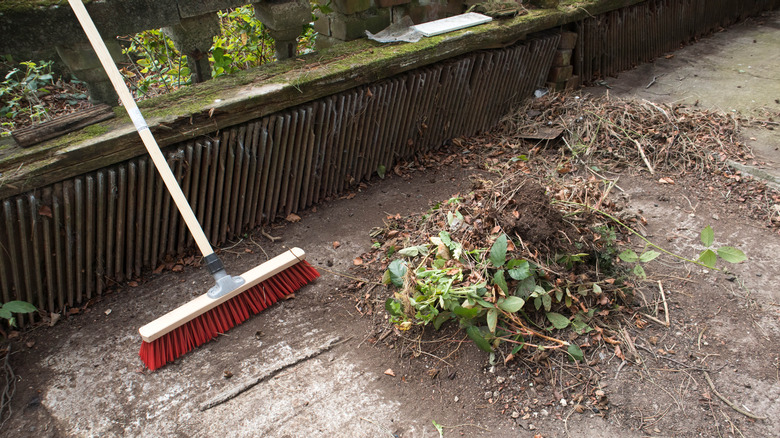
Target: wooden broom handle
[{"x": 140, "y": 125}]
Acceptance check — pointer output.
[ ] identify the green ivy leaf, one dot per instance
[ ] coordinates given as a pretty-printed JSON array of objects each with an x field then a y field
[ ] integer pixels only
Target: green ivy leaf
[
  {"x": 708, "y": 258},
  {"x": 512, "y": 304},
  {"x": 414, "y": 251},
  {"x": 466, "y": 312},
  {"x": 731, "y": 255},
  {"x": 519, "y": 269},
  {"x": 558, "y": 321},
  {"x": 476, "y": 335},
  {"x": 441, "y": 319},
  {"x": 628, "y": 256},
  {"x": 492, "y": 319},
  {"x": 575, "y": 352},
  {"x": 393, "y": 307},
  {"x": 525, "y": 287},
  {"x": 397, "y": 269},
  {"x": 547, "y": 302},
  {"x": 500, "y": 281},
  {"x": 19, "y": 307},
  {"x": 707, "y": 236},
  {"x": 498, "y": 251},
  {"x": 648, "y": 256},
  {"x": 580, "y": 326}
]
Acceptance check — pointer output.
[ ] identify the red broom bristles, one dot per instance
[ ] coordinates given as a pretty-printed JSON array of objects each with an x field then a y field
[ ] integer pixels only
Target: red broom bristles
[{"x": 222, "y": 318}]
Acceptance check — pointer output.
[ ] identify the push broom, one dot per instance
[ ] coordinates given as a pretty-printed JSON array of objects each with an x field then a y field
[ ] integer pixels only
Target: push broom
[{"x": 232, "y": 299}]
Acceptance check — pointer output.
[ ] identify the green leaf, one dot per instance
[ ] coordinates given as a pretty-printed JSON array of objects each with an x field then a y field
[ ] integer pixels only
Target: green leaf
[
  {"x": 476, "y": 335},
  {"x": 498, "y": 251},
  {"x": 466, "y": 312},
  {"x": 580, "y": 326},
  {"x": 648, "y": 256},
  {"x": 525, "y": 287},
  {"x": 558, "y": 321},
  {"x": 596, "y": 289},
  {"x": 628, "y": 256},
  {"x": 19, "y": 307},
  {"x": 441, "y": 319},
  {"x": 519, "y": 269},
  {"x": 380, "y": 171},
  {"x": 397, "y": 269},
  {"x": 639, "y": 271},
  {"x": 393, "y": 307},
  {"x": 445, "y": 238},
  {"x": 439, "y": 428},
  {"x": 708, "y": 258},
  {"x": 575, "y": 352},
  {"x": 414, "y": 251},
  {"x": 492, "y": 320},
  {"x": 498, "y": 280},
  {"x": 5, "y": 314},
  {"x": 731, "y": 255},
  {"x": 512, "y": 304},
  {"x": 518, "y": 347},
  {"x": 547, "y": 302},
  {"x": 707, "y": 236}
]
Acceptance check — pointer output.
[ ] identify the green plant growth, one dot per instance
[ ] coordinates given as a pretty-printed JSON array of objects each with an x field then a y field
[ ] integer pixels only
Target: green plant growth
[
  {"x": 486, "y": 290},
  {"x": 500, "y": 298},
  {"x": 243, "y": 43},
  {"x": 8, "y": 309},
  {"x": 21, "y": 91}
]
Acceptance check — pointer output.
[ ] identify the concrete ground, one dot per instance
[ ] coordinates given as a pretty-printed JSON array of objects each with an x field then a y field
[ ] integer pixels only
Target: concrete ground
[{"x": 83, "y": 377}]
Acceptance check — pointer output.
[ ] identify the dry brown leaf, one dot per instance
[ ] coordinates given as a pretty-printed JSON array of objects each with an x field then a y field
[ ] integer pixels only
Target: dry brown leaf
[
  {"x": 45, "y": 210},
  {"x": 666, "y": 180},
  {"x": 292, "y": 217},
  {"x": 390, "y": 372},
  {"x": 336, "y": 244},
  {"x": 358, "y": 261},
  {"x": 177, "y": 268}
]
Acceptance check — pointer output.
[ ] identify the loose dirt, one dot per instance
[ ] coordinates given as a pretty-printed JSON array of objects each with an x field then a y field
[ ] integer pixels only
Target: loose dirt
[{"x": 82, "y": 377}]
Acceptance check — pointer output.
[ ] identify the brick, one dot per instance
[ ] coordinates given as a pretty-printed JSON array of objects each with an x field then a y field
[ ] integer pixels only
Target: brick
[
  {"x": 562, "y": 57},
  {"x": 322, "y": 24},
  {"x": 546, "y": 4},
  {"x": 560, "y": 74},
  {"x": 391, "y": 3},
  {"x": 568, "y": 41},
  {"x": 350, "y": 6},
  {"x": 573, "y": 83},
  {"x": 555, "y": 86},
  {"x": 351, "y": 27}
]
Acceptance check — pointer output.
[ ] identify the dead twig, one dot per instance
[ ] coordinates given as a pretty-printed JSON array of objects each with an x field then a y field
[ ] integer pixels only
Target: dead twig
[{"x": 728, "y": 402}]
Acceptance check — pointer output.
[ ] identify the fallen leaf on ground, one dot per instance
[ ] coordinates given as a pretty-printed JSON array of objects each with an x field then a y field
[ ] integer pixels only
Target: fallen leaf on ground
[
  {"x": 292, "y": 217},
  {"x": 358, "y": 261},
  {"x": 390, "y": 372},
  {"x": 666, "y": 180},
  {"x": 336, "y": 244}
]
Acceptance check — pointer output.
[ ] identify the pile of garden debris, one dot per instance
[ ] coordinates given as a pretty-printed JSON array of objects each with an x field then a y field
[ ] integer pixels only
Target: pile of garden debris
[{"x": 540, "y": 260}]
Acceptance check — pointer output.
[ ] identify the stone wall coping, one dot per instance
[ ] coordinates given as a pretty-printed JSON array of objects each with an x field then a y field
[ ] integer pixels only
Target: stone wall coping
[{"x": 207, "y": 107}]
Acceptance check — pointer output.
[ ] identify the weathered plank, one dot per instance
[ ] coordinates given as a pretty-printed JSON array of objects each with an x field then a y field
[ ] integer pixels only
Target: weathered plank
[{"x": 47, "y": 130}]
